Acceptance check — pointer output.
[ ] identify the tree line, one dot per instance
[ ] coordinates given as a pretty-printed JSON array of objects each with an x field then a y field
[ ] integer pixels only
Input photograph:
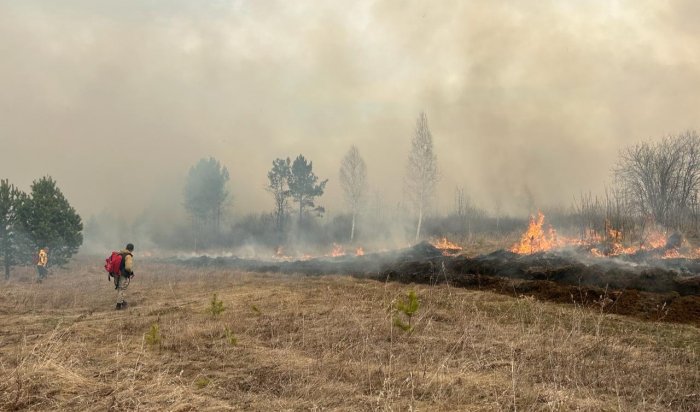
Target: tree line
[
  {"x": 656, "y": 182},
  {"x": 653, "y": 183},
  {"x": 41, "y": 218},
  {"x": 294, "y": 185}
]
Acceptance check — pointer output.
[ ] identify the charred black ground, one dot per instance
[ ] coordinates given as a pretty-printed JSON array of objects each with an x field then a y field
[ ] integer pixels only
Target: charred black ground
[{"x": 639, "y": 285}]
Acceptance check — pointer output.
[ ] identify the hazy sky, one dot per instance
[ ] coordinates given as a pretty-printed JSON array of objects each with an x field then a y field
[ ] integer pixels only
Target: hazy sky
[{"x": 527, "y": 100}]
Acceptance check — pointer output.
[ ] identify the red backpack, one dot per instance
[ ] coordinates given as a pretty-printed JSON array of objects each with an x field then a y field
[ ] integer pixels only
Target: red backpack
[{"x": 113, "y": 264}]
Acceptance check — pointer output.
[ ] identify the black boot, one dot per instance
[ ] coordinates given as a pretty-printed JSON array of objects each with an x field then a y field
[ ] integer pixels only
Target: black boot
[
  {"x": 125, "y": 305},
  {"x": 120, "y": 306}
]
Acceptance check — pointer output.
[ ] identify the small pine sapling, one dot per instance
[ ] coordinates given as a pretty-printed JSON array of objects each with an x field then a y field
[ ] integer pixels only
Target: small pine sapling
[
  {"x": 202, "y": 382},
  {"x": 216, "y": 306},
  {"x": 408, "y": 307},
  {"x": 230, "y": 337},
  {"x": 153, "y": 337}
]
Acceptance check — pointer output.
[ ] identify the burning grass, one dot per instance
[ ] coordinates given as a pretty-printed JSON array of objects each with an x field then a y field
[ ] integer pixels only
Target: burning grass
[
  {"x": 448, "y": 248},
  {"x": 324, "y": 343},
  {"x": 655, "y": 241}
]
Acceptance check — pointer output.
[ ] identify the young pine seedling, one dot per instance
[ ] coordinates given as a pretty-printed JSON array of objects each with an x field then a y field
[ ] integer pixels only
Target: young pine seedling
[
  {"x": 406, "y": 307},
  {"x": 230, "y": 337},
  {"x": 202, "y": 382},
  {"x": 216, "y": 307},
  {"x": 153, "y": 337}
]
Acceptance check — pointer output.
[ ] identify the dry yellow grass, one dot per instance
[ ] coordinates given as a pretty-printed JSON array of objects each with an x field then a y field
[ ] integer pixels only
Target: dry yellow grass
[{"x": 323, "y": 343}]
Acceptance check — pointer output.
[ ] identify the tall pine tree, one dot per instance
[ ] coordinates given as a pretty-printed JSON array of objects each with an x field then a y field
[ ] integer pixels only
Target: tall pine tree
[
  {"x": 205, "y": 196},
  {"x": 49, "y": 220},
  {"x": 302, "y": 184},
  {"x": 11, "y": 201}
]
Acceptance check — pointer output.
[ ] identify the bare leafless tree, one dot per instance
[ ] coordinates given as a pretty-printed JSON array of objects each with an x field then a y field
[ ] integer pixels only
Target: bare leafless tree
[
  {"x": 464, "y": 210},
  {"x": 620, "y": 215},
  {"x": 662, "y": 179},
  {"x": 422, "y": 172},
  {"x": 353, "y": 180},
  {"x": 461, "y": 202}
]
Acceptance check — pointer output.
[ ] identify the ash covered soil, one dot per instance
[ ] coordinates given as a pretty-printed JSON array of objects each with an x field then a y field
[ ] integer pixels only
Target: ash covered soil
[{"x": 643, "y": 285}]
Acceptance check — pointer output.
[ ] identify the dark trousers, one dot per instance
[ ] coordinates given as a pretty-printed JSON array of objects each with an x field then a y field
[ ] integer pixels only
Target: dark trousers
[{"x": 41, "y": 272}]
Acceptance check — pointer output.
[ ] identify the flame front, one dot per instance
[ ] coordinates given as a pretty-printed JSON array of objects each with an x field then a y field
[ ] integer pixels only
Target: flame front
[
  {"x": 536, "y": 239},
  {"x": 446, "y": 244},
  {"x": 654, "y": 240},
  {"x": 337, "y": 250},
  {"x": 448, "y": 248}
]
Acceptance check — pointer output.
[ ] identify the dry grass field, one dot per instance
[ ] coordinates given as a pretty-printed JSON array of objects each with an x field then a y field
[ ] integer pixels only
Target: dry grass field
[{"x": 323, "y": 343}]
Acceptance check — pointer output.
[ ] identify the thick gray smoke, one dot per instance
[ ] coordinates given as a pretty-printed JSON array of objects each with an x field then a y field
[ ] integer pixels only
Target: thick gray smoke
[{"x": 528, "y": 101}]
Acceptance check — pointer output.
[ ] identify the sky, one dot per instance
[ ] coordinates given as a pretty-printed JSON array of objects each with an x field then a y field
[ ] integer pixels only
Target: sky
[{"x": 528, "y": 102}]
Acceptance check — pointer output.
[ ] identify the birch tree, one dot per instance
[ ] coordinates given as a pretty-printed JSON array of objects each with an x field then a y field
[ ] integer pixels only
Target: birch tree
[
  {"x": 353, "y": 180},
  {"x": 421, "y": 171}
]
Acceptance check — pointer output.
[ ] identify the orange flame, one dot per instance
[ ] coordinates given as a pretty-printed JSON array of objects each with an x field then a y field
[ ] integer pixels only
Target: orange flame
[
  {"x": 448, "y": 248},
  {"x": 445, "y": 244},
  {"x": 536, "y": 239},
  {"x": 654, "y": 240},
  {"x": 597, "y": 253},
  {"x": 337, "y": 250},
  {"x": 671, "y": 254}
]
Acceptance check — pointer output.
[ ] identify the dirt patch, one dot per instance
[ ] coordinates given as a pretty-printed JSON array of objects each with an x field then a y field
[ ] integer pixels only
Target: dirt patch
[{"x": 685, "y": 309}]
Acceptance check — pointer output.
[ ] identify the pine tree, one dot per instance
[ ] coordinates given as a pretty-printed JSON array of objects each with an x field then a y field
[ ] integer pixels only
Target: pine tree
[
  {"x": 302, "y": 184},
  {"x": 205, "y": 195},
  {"x": 48, "y": 220},
  {"x": 11, "y": 200}
]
